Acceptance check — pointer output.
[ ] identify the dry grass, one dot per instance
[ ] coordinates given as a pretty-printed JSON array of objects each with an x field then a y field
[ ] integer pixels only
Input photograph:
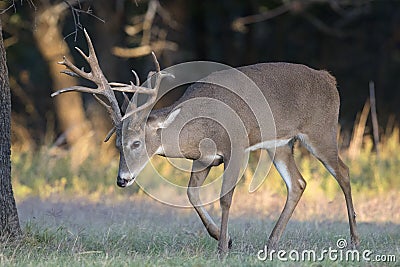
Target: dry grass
[{"x": 79, "y": 216}]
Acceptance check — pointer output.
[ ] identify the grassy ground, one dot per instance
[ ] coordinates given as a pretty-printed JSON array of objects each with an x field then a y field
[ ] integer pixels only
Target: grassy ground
[
  {"x": 74, "y": 215},
  {"x": 141, "y": 232}
]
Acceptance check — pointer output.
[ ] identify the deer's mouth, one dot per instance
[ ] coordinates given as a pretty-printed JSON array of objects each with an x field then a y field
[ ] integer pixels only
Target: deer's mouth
[{"x": 121, "y": 182}]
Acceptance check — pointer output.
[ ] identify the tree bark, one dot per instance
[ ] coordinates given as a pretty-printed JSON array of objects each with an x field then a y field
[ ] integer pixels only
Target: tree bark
[{"x": 9, "y": 222}]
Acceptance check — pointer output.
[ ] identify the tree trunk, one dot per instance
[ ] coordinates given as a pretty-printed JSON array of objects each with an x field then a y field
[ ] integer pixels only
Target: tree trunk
[
  {"x": 9, "y": 222},
  {"x": 69, "y": 108}
]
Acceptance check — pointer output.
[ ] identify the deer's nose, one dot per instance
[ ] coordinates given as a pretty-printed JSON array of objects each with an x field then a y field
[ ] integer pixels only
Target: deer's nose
[{"x": 121, "y": 182}]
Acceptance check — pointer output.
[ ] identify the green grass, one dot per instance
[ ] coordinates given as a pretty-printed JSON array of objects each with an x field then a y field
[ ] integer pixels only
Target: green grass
[
  {"x": 146, "y": 233},
  {"x": 74, "y": 215},
  {"x": 45, "y": 172}
]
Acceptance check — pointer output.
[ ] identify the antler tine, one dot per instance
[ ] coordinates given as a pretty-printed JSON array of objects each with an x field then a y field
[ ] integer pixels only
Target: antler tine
[
  {"x": 110, "y": 111},
  {"x": 108, "y": 107},
  {"x": 70, "y": 73},
  {"x": 75, "y": 88},
  {"x": 134, "y": 100},
  {"x": 137, "y": 78},
  {"x": 133, "y": 104},
  {"x": 92, "y": 53},
  {"x": 152, "y": 92},
  {"x": 142, "y": 107},
  {"x": 110, "y": 133},
  {"x": 126, "y": 98},
  {"x": 118, "y": 84},
  {"x": 82, "y": 53},
  {"x": 126, "y": 102},
  {"x": 156, "y": 61},
  {"x": 96, "y": 76},
  {"x": 74, "y": 69},
  {"x": 132, "y": 88}
]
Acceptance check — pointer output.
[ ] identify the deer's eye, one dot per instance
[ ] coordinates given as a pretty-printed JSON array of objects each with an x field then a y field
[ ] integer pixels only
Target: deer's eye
[{"x": 135, "y": 144}]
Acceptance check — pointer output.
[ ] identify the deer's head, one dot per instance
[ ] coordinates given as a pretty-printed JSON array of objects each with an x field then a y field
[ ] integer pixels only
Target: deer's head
[
  {"x": 135, "y": 126},
  {"x": 138, "y": 139}
]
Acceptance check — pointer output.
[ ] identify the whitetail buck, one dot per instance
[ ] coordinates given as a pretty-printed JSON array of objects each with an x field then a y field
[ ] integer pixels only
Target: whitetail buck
[{"x": 303, "y": 101}]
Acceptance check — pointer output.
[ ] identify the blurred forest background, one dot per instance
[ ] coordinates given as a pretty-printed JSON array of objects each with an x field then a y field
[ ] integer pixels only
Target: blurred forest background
[
  {"x": 358, "y": 41},
  {"x": 64, "y": 176}
]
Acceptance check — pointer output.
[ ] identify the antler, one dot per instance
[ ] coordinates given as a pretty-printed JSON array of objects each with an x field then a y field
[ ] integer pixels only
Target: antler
[
  {"x": 107, "y": 89},
  {"x": 96, "y": 76},
  {"x": 135, "y": 88}
]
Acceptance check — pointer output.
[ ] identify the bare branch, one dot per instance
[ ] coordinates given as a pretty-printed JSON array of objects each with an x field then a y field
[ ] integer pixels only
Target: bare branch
[
  {"x": 12, "y": 5},
  {"x": 167, "y": 18},
  {"x": 10, "y": 41},
  {"x": 76, "y": 16},
  {"x": 135, "y": 29},
  {"x": 374, "y": 117},
  {"x": 145, "y": 49},
  {"x": 144, "y": 23},
  {"x": 240, "y": 23},
  {"x": 148, "y": 21},
  {"x": 321, "y": 26},
  {"x": 300, "y": 7}
]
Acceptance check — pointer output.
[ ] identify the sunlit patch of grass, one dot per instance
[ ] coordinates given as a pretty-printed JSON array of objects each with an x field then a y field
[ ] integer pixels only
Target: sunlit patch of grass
[
  {"x": 46, "y": 173},
  {"x": 41, "y": 173},
  {"x": 130, "y": 232}
]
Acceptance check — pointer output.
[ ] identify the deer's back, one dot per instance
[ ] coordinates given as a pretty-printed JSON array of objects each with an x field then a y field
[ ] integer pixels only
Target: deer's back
[{"x": 299, "y": 97}]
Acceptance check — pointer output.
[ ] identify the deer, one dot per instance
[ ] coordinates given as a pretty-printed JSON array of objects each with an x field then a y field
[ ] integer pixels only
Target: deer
[{"x": 305, "y": 106}]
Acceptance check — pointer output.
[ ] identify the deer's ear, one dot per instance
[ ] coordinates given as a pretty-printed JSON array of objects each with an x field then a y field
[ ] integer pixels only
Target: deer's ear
[{"x": 170, "y": 118}]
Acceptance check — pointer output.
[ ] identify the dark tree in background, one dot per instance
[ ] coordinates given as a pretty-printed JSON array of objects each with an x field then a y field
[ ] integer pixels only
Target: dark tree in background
[
  {"x": 9, "y": 222},
  {"x": 357, "y": 41}
]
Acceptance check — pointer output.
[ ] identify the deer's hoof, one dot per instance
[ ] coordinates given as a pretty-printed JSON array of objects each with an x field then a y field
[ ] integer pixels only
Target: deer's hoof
[
  {"x": 355, "y": 242},
  {"x": 272, "y": 245},
  {"x": 230, "y": 243}
]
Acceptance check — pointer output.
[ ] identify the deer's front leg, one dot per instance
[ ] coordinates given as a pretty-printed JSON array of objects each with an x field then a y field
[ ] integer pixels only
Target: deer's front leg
[
  {"x": 197, "y": 178},
  {"x": 224, "y": 242},
  {"x": 231, "y": 173}
]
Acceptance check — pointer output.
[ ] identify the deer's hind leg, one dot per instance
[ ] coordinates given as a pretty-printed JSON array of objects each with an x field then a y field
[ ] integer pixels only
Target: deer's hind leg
[
  {"x": 323, "y": 145},
  {"x": 295, "y": 184}
]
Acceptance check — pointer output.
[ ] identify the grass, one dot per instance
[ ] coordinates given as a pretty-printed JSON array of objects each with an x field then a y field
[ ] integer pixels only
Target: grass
[
  {"x": 75, "y": 215},
  {"x": 46, "y": 172},
  {"x": 78, "y": 232}
]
